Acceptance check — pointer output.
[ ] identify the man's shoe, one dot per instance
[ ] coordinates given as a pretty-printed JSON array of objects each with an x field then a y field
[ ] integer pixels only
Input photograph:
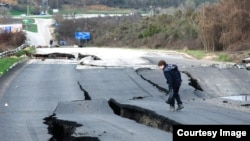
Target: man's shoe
[
  {"x": 180, "y": 106},
  {"x": 171, "y": 109}
]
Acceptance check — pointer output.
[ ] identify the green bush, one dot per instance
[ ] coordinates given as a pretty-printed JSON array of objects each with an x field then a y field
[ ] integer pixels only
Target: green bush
[
  {"x": 26, "y": 51},
  {"x": 150, "y": 31}
]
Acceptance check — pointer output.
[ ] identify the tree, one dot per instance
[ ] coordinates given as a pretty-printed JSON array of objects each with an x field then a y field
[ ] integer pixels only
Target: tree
[{"x": 224, "y": 23}]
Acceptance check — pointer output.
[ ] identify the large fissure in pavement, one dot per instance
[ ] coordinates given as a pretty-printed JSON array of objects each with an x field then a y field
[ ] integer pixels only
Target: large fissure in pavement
[
  {"x": 54, "y": 56},
  {"x": 142, "y": 116},
  {"x": 62, "y": 130},
  {"x": 86, "y": 94},
  {"x": 193, "y": 82},
  {"x": 65, "y": 56},
  {"x": 149, "y": 81}
]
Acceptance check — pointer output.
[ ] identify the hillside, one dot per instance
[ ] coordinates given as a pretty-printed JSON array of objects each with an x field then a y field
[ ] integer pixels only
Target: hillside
[
  {"x": 221, "y": 26},
  {"x": 135, "y": 4}
]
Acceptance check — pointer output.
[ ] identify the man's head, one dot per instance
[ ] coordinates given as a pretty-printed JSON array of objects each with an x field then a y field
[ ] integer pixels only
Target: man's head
[{"x": 162, "y": 64}]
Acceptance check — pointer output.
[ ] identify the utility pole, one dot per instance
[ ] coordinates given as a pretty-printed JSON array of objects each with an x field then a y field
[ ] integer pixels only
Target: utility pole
[
  {"x": 27, "y": 3},
  {"x": 45, "y": 6}
]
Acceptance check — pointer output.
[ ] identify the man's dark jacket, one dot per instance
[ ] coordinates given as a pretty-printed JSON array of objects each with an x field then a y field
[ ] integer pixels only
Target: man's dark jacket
[{"x": 173, "y": 76}]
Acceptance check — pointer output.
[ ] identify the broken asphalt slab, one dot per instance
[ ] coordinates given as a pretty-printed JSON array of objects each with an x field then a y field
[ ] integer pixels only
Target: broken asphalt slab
[
  {"x": 219, "y": 82},
  {"x": 115, "y": 102},
  {"x": 97, "y": 120}
]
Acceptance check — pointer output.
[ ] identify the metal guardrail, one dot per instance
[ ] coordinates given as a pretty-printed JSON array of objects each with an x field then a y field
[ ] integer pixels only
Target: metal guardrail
[{"x": 14, "y": 51}]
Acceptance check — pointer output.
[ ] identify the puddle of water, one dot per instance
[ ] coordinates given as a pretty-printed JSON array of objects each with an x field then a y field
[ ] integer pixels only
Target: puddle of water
[{"x": 242, "y": 97}]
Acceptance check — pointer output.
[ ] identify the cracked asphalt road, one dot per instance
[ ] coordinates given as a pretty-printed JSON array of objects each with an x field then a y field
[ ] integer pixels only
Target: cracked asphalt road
[
  {"x": 61, "y": 99},
  {"x": 32, "y": 92}
]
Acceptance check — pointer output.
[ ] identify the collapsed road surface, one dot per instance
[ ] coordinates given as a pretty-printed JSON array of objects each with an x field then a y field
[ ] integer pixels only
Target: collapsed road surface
[{"x": 108, "y": 94}]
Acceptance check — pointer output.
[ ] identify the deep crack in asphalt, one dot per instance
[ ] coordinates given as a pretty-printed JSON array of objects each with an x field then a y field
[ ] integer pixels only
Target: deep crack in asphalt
[
  {"x": 142, "y": 116},
  {"x": 62, "y": 130},
  {"x": 149, "y": 81},
  {"x": 193, "y": 82},
  {"x": 86, "y": 94}
]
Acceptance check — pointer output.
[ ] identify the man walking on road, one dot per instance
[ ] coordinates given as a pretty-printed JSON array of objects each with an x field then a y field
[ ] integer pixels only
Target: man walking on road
[
  {"x": 50, "y": 43},
  {"x": 173, "y": 77}
]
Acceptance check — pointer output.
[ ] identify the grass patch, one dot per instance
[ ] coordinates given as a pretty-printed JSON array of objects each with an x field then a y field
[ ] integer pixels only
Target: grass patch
[
  {"x": 224, "y": 58},
  {"x": 5, "y": 63},
  {"x": 84, "y": 11},
  {"x": 108, "y": 12},
  {"x": 16, "y": 13},
  {"x": 31, "y": 28},
  {"x": 29, "y": 25},
  {"x": 42, "y": 16},
  {"x": 199, "y": 54}
]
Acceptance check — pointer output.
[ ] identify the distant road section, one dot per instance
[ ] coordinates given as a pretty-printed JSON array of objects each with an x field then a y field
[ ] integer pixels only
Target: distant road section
[{"x": 44, "y": 33}]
